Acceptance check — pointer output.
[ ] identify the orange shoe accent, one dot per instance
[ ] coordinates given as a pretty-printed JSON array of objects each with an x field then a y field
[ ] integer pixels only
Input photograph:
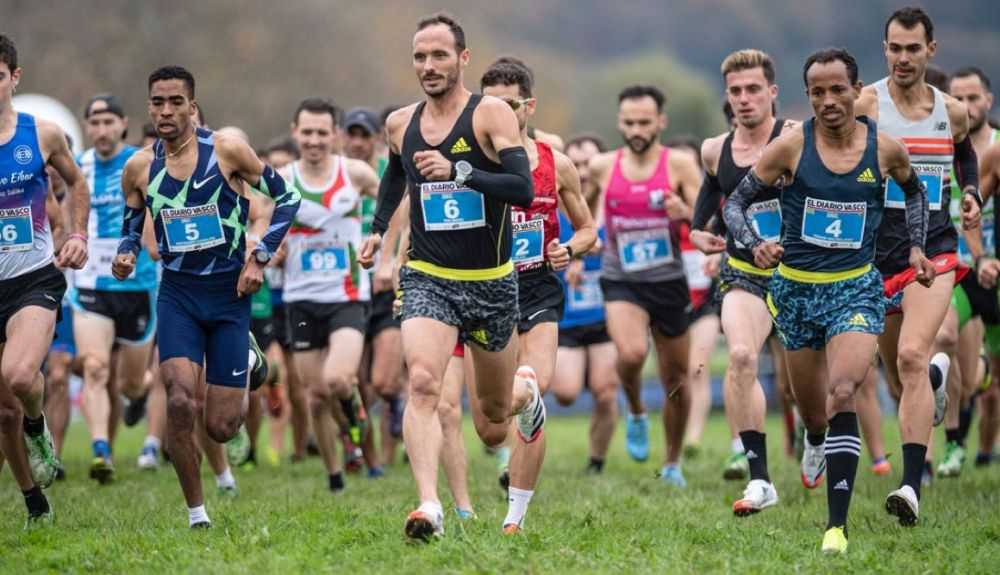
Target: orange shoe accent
[
  {"x": 418, "y": 526},
  {"x": 744, "y": 508},
  {"x": 881, "y": 468},
  {"x": 511, "y": 529},
  {"x": 808, "y": 485}
]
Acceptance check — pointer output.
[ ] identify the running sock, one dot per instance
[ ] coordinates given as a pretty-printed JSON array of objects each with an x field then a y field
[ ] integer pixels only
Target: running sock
[
  {"x": 517, "y": 505},
  {"x": 197, "y": 515},
  {"x": 815, "y": 439},
  {"x": 965, "y": 421},
  {"x": 350, "y": 411},
  {"x": 152, "y": 443},
  {"x": 226, "y": 479},
  {"x": 953, "y": 435},
  {"x": 252, "y": 455},
  {"x": 914, "y": 455},
  {"x": 755, "y": 443},
  {"x": 34, "y": 427},
  {"x": 251, "y": 360},
  {"x": 843, "y": 451},
  {"x": 595, "y": 465},
  {"x": 36, "y": 501},
  {"x": 337, "y": 481},
  {"x": 737, "y": 445},
  {"x": 101, "y": 448},
  {"x": 937, "y": 378}
]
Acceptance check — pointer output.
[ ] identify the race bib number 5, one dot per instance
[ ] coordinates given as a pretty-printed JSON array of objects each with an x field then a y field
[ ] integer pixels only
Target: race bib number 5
[
  {"x": 644, "y": 249},
  {"x": 932, "y": 175},
  {"x": 448, "y": 207},
  {"x": 192, "y": 229},
  {"x": 16, "y": 231},
  {"x": 838, "y": 225}
]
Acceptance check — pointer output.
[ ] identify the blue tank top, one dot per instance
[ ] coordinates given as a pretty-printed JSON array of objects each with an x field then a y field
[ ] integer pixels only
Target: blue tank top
[
  {"x": 200, "y": 222},
  {"x": 25, "y": 236},
  {"x": 584, "y": 305},
  {"x": 831, "y": 220},
  {"x": 104, "y": 226}
]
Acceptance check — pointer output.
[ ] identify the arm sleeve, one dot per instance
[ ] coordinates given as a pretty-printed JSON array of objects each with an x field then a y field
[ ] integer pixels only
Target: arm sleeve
[
  {"x": 286, "y": 204},
  {"x": 709, "y": 198},
  {"x": 390, "y": 193},
  {"x": 512, "y": 186},
  {"x": 917, "y": 210},
  {"x": 966, "y": 164},
  {"x": 132, "y": 224},
  {"x": 734, "y": 211}
]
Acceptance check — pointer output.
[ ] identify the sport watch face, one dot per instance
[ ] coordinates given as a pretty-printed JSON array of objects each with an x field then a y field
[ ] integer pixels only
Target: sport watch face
[
  {"x": 261, "y": 256},
  {"x": 463, "y": 169}
]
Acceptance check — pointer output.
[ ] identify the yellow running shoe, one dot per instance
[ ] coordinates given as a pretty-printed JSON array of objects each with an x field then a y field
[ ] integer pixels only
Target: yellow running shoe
[{"x": 834, "y": 540}]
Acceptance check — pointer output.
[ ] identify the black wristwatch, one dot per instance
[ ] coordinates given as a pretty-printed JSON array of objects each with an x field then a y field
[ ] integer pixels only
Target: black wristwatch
[
  {"x": 569, "y": 250},
  {"x": 974, "y": 192},
  {"x": 262, "y": 256}
]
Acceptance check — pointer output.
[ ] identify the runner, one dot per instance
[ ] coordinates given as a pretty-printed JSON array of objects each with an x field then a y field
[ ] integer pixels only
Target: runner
[
  {"x": 727, "y": 158},
  {"x": 935, "y": 128},
  {"x": 647, "y": 193},
  {"x": 459, "y": 283},
  {"x": 825, "y": 298},
  {"x": 31, "y": 288},
  {"x": 200, "y": 220}
]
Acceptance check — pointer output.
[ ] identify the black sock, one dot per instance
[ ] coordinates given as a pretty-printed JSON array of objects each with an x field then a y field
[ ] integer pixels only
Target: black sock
[
  {"x": 34, "y": 427},
  {"x": 252, "y": 454},
  {"x": 843, "y": 451},
  {"x": 36, "y": 502},
  {"x": 336, "y": 481},
  {"x": 755, "y": 448},
  {"x": 965, "y": 421},
  {"x": 815, "y": 439},
  {"x": 913, "y": 465},
  {"x": 952, "y": 435},
  {"x": 596, "y": 464},
  {"x": 350, "y": 412},
  {"x": 937, "y": 378}
]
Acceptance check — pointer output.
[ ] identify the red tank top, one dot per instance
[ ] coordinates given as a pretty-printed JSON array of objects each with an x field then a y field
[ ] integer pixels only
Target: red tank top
[{"x": 539, "y": 224}]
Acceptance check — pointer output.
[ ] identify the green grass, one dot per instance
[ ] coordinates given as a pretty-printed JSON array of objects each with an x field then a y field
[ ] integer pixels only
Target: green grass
[{"x": 624, "y": 521}]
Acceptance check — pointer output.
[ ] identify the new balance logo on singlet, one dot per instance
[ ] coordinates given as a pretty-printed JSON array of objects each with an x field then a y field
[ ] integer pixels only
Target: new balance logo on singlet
[
  {"x": 460, "y": 146},
  {"x": 867, "y": 177}
]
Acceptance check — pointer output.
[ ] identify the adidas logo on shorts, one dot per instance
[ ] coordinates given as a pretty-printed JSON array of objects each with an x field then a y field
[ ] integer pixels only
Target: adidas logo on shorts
[
  {"x": 751, "y": 454},
  {"x": 461, "y": 147},
  {"x": 858, "y": 320},
  {"x": 842, "y": 485},
  {"x": 867, "y": 177}
]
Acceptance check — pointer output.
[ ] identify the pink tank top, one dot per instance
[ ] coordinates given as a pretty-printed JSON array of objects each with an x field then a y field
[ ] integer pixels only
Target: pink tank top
[{"x": 643, "y": 244}]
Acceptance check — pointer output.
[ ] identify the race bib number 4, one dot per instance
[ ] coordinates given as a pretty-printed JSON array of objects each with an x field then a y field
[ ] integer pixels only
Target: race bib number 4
[
  {"x": 192, "y": 229},
  {"x": 325, "y": 258},
  {"x": 448, "y": 207},
  {"x": 838, "y": 225},
  {"x": 16, "y": 231},
  {"x": 932, "y": 175},
  {"x": 644, "y": 249},
  {"x": 587, "y": 294},
  {"x": 529, "y": 242}
]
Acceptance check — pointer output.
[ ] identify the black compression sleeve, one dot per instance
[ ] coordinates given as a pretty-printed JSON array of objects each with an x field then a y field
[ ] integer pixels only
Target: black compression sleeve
[
  {"x": 966, "y": 164},
  {"x": 390, "y": 193},
  {"x": 512, "y": 186},
  {"x": 917, "y": 210},
  {"x": 735, "y": 210},
  {"x": 709, "y": 200}
]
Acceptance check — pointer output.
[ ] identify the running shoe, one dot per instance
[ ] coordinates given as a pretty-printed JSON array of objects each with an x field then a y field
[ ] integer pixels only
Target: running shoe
[
  {"x": 954, "y": 460},
  {"x": 38, "y": 520},
  {"x": 673, "y": 476},
  {"x": 353, "y": 454},
  {"x": 691, "y": 450},
  {"x": 102, "y": 470},
  {"x": 903, "y": 503},
  {"x": 637, "y": 436},
  {"x": 42, "y": 459},
  {"x": 941, "y": 393},
  {"x": 376, "y": 472},
  {"x": 881, "y": 467},
  {"x": 258, "y": 375},
  {"x": 984, "y": 459},
  {"x": 736, "y": 467},
  {"x": 758, "y": 495},
  {"x": 512, "y": 529},
  {"x": 357, "y": 418},
  {"x": 531, "y": 420},
  {"x": 148, "y": 459},
  {"x": 135, "y": 410},
  {"x": 465, "y": 514},
  {"x": 425, "y": 523},
  {"x": 834, "y": 540},
  {"x": 238, "y": 448},
  {"x": 228, "y": 493},
  {"x": 813, "y": 465}
]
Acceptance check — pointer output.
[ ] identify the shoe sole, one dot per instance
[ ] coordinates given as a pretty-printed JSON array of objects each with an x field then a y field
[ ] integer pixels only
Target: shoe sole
[
  {"x": 748, "y": 509},
  {"x": 103, "y": 475},
  {"x": 418, "y": 527},
  {"x": 898, "y": 506},
  {"x": 808, "y": 485}
]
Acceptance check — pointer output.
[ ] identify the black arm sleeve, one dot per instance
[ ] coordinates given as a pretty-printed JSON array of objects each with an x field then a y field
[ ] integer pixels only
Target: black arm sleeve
[
  {"x": 512, "y": 186},
  {"x": 709, "y": 200},
  {"x": 390, "y": 193},
  {"x": 735, "y": 211},
  {"x": 966, "y": 164},
  {"x": 917, "y": 210}
]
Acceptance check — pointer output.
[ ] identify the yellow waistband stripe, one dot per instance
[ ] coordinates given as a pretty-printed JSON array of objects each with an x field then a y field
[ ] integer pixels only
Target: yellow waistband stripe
[
  {"x": 822, "y": 277},
  {"x": 462, "y": 275},
  {"x": 749, "y": 268}
]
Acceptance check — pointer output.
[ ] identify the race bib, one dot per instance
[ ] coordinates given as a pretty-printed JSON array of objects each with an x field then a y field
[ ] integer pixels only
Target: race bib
[
  {"x": 529, "y": 242},
  {"x": 932, "y": 175},
  {"x": 192, "y": 229},
  {"x": 644, "y": 249},
  {"x": 765, "y": 217},
  {"x": 448, "y": 207},
  {"x": 838, "y": 225},
  {"x": 325, "y": 258},
  {"x": 101, "y": 254},
  {"x": 694, "y": 270},
  {"x": 587, "y": 294},
  {"x": 16, "y": 231}
]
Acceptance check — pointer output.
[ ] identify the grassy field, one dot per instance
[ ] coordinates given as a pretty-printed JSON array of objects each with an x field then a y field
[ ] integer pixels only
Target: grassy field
[{"x": 624, "y": 521}]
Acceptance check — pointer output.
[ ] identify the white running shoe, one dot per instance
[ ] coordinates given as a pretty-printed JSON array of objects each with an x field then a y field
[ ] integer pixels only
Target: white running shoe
[
  {"x": 813, "y": 465},
  {"x": 758, "y": 495},
  {"x": 425, "y": 523},
  {"x": 903, "y": 503},
  {"x": 43, "y": 463},
  {"x": 148, "y": 460},
  {"x": 943, "y": 362},
  {"x": 531, "y": 421}
]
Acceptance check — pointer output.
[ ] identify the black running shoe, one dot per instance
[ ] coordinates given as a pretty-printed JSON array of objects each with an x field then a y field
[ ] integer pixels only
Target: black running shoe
[
  {"x": 259, "y": 373},
  {"x": 135, "y": 410}
]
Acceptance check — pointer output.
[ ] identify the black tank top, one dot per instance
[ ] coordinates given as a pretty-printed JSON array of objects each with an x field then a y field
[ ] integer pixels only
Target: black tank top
[
  {"x": 451, "y": 227},
  {"x": 730, "y": 175}
]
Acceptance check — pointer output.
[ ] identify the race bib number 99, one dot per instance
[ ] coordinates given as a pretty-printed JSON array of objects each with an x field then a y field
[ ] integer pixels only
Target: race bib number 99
[
  {"x": 932, "y": 175},
  {"x": 838, "y": 225},
  {"x": 644, "y": 249},
  {"x": 448, "y": 207},
  {"x": 325, "y": 258},
  {"x": 192, "y": 229}
]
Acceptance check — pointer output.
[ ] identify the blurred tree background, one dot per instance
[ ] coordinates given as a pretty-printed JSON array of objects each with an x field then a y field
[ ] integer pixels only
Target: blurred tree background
[{"x": 254, "y": 60}]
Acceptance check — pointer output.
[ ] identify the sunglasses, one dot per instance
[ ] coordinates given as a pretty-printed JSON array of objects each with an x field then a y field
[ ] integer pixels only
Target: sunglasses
[{"x": 516, "y": 104}]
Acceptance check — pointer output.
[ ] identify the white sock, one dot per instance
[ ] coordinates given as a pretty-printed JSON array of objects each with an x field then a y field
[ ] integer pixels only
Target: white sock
[
  {"x": 153, "y": 442},
  {"x": 197, "y": 515},
  {"x": 251, "y": 360},
  {"x": 738, "y": 445},
  {"x": 226, "y": 479},
  {"x": 517, "y": 505}
]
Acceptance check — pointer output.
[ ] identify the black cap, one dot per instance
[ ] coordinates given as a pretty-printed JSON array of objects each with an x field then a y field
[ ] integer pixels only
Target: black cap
[
  {"x": 365, "y": 118},
  {"x": 103, "y": 103}
]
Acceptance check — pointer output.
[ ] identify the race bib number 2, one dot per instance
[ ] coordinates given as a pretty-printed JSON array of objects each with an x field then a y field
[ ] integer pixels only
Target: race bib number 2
[
  {"x": 529, "y": 242},
  {"x": 16, "y": 231},
  {"x": 448, "y": 207},
  {"x": 838, "y": 225},
  {"x": 192, "y": 229}
]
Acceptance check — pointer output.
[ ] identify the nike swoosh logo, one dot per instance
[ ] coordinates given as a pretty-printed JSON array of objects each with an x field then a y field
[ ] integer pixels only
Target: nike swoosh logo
[
  {"x": 238, "y": 373},
  {"x": 48, "y": 297},
  {"x": 532, "y": 316},
  {"x": 196, "y": 184}
]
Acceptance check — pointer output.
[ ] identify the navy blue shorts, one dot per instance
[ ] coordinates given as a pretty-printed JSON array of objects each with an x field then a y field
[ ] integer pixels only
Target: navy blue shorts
[
  {"x": 202, "y": 319},
  {"x": 63, "y": 341}
]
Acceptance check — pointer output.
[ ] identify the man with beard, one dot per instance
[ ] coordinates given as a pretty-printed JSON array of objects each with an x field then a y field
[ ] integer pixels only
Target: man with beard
[
  {"x": 461, "y": 156},
  {"x": 647, "y": 192}
]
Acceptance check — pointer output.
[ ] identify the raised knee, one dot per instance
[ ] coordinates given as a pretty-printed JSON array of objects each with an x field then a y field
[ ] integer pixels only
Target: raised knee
[
  {"x": 742, "y": 358},
  {"x": 424, "y": 389},
  {"x": 632, "y": 355},
  {"x": 563, "y": 398},
  {"x": 842, "y": 394},
  {"x": 21, "y": 380},
  {"x": 221, "y": 431},
  {"x": 947, "y": 341},
  {"x": 911, "y": 360},
  {"x": 492, "y": 435}
]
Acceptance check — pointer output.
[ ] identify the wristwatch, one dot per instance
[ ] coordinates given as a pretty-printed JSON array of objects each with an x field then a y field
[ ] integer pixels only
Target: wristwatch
[
  {"x": 463, "y": 170},
  {"x": 262, "y": 256},
  {"x": 974, "y": 192},
  {"x": 569, "y": 250}
]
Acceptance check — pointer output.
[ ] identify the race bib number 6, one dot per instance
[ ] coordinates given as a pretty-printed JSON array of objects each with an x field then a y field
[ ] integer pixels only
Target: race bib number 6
[
  {"x": 448, "y": 207},
  {"x": 16, "y": 231},
  {"x": 837, "y": 225},
  {"x": 644, "y": 249},
  {"x": 932, "y": 175},
  {"x": 192, "y": 229}
]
